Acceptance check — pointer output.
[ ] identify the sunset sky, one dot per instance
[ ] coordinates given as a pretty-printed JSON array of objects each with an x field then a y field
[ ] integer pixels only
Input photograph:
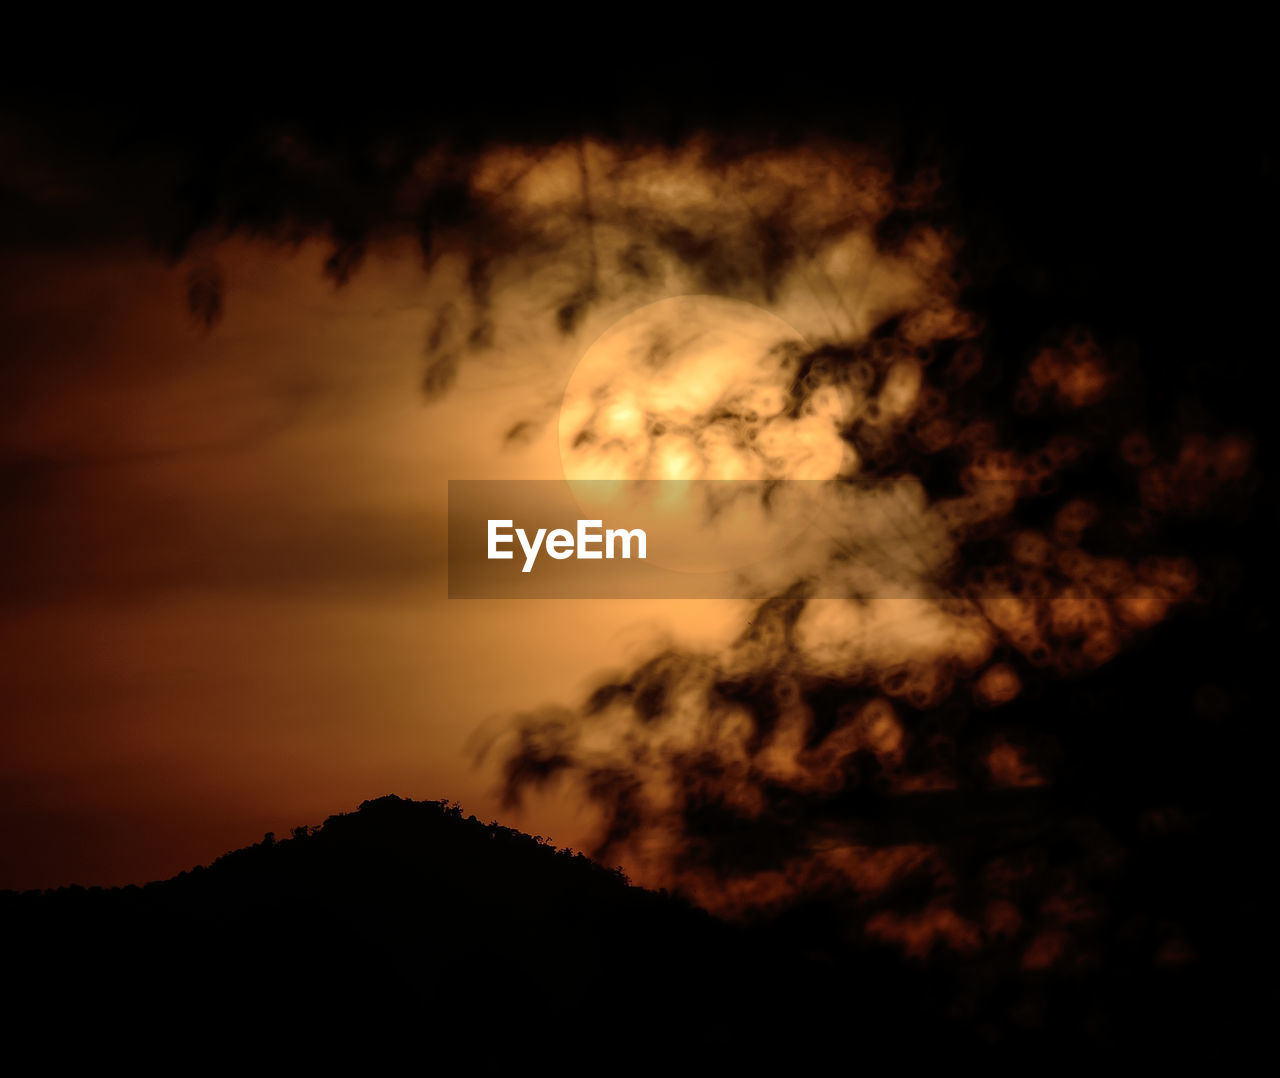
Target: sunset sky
[
  {"x": 242, "y": 361},
  {"x": 225, "y": 601},
  {"x": 225, "y": 609}
]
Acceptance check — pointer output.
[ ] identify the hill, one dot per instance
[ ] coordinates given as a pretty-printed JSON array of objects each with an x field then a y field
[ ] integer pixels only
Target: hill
[{"x": 406, "y": 930}]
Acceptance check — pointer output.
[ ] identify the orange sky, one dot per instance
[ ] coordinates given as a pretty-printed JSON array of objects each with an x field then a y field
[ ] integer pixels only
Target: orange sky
[
  {"x": 223, "y": 590},
  {"x": 224, "y": 602},
  {"x": 225, "y": 605}
]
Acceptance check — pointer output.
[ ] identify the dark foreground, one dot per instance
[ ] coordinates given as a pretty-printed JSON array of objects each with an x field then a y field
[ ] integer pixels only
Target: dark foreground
[{"x": 406, "y": 931}]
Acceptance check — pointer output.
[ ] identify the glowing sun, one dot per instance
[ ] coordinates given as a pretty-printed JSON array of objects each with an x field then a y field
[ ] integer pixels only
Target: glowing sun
[
  {"x": 688, "y": 389},
  {"x": 693, "y": 387}
]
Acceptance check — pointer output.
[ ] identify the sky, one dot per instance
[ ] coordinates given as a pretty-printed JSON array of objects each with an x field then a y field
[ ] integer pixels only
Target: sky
[
  {"x": 225, "y": 608},
  {"x": 225, "y": 600},
  {"x": 244, "y": 356}
]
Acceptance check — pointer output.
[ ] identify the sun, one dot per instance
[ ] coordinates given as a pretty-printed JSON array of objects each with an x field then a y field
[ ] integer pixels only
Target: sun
[
  {"x": 688, "y": 390},
  {"x": 694, "y": 387}
]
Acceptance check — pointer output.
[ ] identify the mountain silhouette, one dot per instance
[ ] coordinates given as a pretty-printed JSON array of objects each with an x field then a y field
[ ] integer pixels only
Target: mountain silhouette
[{"x": 408, "y": 931}]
